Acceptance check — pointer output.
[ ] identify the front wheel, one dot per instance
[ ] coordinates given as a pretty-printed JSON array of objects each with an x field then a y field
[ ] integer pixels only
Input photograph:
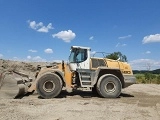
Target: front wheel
[
  {"x": 109, "y": 86},
  {"x": 49, "y": 85}
]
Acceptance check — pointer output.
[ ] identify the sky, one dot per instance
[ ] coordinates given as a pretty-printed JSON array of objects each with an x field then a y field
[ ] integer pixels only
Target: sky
[{"x": 44, "y": 30}]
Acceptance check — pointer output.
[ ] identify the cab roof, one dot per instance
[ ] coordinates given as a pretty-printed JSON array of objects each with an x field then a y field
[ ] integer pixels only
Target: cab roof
[{"x": 80, "y": 47}]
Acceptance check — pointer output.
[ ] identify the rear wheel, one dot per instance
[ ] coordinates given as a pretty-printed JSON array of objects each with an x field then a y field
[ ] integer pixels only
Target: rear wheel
[
  {"x": 109, "y": 86},
  {"x": 49, "y": 85}
]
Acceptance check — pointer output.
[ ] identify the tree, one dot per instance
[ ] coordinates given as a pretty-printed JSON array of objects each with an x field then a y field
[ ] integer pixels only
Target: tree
[
  {"x": 116, "y": 56},
  {"x": 147, "y": 76},
  {"x": 148, "y": 65}
]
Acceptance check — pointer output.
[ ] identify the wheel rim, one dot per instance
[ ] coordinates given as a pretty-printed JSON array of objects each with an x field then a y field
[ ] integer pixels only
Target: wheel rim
[
  {"x": 49, "y": 86},
  {"x": 110, "y": 87}
]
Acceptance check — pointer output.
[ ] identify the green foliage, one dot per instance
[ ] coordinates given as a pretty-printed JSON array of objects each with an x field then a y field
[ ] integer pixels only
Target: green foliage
[
  {"x": 157, "y": 71},
  {"x": 148, "y": 78},
  {"x": 116, "y": 56},
  {"x": 140, "y": 78},
  {"x": 158, "y": 79}
]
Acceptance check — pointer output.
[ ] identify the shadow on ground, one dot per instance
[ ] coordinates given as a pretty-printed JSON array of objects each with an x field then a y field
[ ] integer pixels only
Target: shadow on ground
[
  {"x": 77, "y": 93},
  {"x": 87, "y": 94}
]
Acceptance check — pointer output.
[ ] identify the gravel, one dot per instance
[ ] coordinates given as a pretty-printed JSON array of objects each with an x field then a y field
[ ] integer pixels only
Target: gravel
[{"x": 137, "y": 102}]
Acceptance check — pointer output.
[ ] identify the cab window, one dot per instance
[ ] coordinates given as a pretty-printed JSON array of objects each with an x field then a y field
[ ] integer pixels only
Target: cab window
[{"x": 78, "y": 55}]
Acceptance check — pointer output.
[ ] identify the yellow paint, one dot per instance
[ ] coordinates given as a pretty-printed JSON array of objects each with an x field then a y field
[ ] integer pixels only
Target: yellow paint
[
  {"x": 67, "y": 74},
  {"x": 115, "y": 64},
  {"x": 123, "y": 66}
]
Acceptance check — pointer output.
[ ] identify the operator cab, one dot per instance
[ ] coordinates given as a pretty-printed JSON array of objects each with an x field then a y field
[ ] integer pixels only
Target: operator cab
[{"x": 79, "y": 58}]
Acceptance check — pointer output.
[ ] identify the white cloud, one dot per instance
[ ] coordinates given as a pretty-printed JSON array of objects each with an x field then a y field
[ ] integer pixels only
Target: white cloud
[
  {"x": 58, "y": 61},
  {"x": 143, "y": 64},
  {"x": 123, "y": 45},
  {"x": 35, "y": 59},
  {"x": 29, "y": 57},
  {"x": 48, "y": 50},
  {"x": 151, "y": 38},
  {"x": 91, "y": 38},
  {"x": 67, "y": 36},
  {"x": 16, "y": 59},
  {"x": 45, "y": 29},
  {"x": 120, "y": 45},
  {"x": 93, "y": 52},
  {"x": 39, "y": 27},
  {"x": 38, "y": 59},
  {"x": 148, "y": 52},
  {"x": 125, "y": 37},
  {"x": 32, "y": 50},
  {"x": 1, "y": 55}
]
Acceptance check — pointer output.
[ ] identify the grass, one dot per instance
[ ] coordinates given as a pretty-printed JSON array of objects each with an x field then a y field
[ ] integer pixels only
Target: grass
[{"x": 153, "y": 79}]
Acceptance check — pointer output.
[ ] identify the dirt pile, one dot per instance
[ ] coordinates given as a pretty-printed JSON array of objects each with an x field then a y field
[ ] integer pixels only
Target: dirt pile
[
  {"x": 28, "y": 68},
  {"x": 15, "y": 77},
  {"x": 7, "y": 65}
]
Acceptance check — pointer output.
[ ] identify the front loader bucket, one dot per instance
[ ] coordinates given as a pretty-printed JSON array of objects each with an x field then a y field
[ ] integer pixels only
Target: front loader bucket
[{"x": 12, "y": 86}]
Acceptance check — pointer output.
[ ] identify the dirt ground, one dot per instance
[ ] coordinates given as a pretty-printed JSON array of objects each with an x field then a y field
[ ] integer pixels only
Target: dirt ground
[{"x": 137, "y": 102}]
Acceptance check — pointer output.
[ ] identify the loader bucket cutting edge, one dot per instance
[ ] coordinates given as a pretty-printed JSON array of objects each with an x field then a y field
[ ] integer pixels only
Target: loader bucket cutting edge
[{"x": 10, "y": 87}]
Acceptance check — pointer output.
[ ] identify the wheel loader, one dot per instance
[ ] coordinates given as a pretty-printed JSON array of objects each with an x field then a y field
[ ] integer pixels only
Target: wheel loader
[{"x": 104, "y": 76}]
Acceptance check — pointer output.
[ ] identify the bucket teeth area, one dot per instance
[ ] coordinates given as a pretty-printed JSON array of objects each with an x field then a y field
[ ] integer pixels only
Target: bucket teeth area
[{"x": 12, "y": 86}]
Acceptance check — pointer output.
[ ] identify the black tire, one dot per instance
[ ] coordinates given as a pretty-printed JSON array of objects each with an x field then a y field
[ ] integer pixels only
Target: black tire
[
  {"x": 94, "y": 90},
  {"x": 109, "y": 86},
  {"x": 49, "y": 85}
]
